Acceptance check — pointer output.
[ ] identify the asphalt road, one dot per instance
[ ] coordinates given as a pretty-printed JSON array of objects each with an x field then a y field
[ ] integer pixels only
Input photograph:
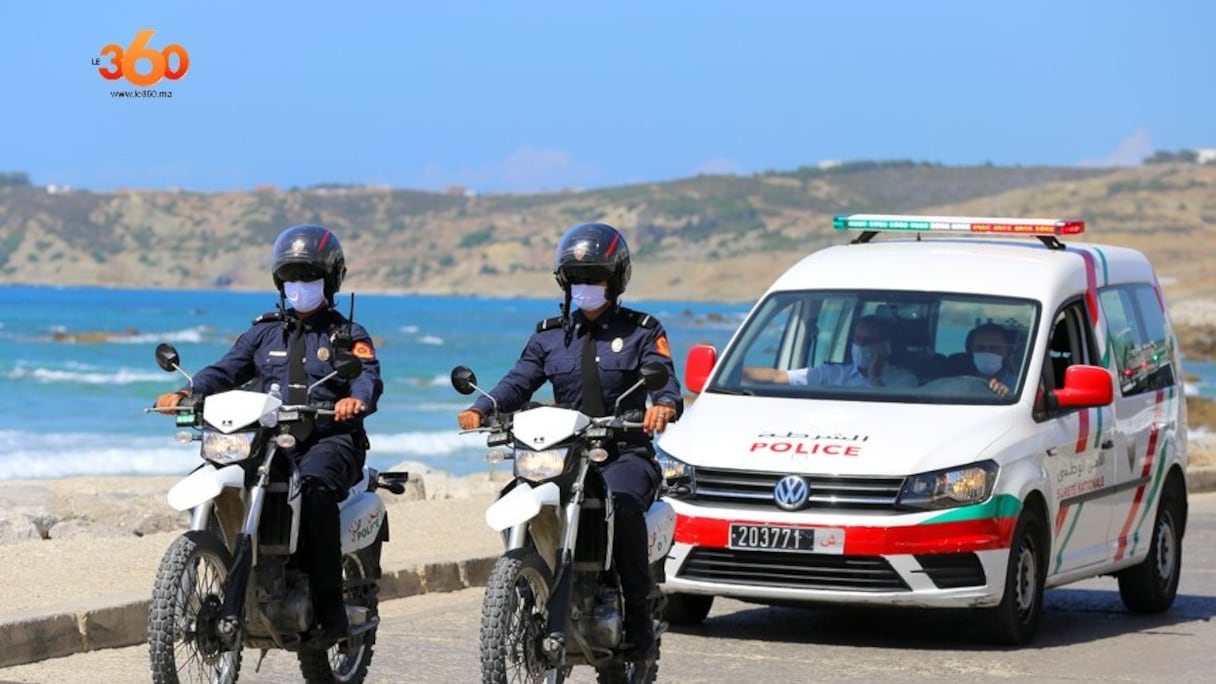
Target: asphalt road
[{"x": 1086, "y": 635}]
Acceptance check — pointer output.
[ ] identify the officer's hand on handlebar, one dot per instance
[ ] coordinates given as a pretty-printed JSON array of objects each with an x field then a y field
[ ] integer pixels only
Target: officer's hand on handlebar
[
  {"x": 657, "y": 418},
  {"x": 348, "y": 408},
  {"x": 469, "y": 420},
  {"x": 168, "y": 401}
]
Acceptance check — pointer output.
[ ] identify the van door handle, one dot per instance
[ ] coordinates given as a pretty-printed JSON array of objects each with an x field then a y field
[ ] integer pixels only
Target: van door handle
[
  {"x": 1052, "y": 451},
  {"x": 1107, "y": 444}
]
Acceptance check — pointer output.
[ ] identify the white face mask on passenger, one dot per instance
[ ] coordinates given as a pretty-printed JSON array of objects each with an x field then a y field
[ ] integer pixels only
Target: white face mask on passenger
[
  {"x": 305, "y": 296},
  {"x": 589, "y": 297},
  {"x": 865, "y": 356},
  {"x": 987, "y": 363}
]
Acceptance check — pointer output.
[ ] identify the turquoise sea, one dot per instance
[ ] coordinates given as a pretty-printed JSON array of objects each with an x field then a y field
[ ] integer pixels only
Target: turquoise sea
[{"x": 70, "y": 407}]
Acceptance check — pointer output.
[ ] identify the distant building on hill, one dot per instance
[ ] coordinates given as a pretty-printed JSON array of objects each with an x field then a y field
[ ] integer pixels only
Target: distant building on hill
[{"x": 1205, "y": 155}]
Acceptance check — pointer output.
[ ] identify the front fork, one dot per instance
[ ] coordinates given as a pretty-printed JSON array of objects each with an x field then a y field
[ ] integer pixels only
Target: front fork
[
  {"x": 554, "y": 645},
  {"x": 237, "y": 582}
]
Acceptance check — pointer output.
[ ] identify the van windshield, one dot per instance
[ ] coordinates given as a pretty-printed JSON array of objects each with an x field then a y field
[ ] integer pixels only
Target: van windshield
[{"x": 878, "y": 345}]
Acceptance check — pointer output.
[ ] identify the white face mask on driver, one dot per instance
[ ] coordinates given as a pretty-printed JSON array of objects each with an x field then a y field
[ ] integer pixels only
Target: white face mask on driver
[
  {"x": 588, "y": 297},
  {"x": 305, "y": 296}
]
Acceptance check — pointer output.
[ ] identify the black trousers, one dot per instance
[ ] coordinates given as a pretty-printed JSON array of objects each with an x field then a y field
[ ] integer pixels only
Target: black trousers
[
  {"x": 329, "y": 466},
  {"x": 633, "y": 478}
]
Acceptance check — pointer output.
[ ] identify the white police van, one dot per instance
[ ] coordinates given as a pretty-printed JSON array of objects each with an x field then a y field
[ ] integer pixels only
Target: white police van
[{"x": 847, "y": 447}]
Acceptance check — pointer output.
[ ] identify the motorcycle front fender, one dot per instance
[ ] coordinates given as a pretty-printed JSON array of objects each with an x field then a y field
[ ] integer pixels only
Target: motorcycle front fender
[
  {"x": 521, "y": 504},
  {"x": 204, "y": 484}
]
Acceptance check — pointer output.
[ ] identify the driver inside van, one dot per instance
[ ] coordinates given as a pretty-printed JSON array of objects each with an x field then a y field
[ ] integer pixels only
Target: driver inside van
[{"x": 867, "y": 367}]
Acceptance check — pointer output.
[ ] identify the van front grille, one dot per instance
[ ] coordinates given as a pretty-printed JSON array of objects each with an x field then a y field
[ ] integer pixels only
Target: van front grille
[
  {"x": 755, "y": 489},
  {"x": 792, "y": 570}
]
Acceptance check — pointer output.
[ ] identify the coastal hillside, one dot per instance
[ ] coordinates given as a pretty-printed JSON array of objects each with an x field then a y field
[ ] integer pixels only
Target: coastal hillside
[{"x": 720, "y": 238}]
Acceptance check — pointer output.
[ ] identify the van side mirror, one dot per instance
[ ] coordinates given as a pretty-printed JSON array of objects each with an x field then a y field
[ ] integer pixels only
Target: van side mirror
[
  {"x": 698, "y": 365},
  {"x": 1084, "y": 387}
]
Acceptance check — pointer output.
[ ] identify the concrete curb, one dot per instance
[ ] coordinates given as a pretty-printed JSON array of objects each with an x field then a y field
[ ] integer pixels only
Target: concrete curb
[
  {"x": 123, "y": 621},
  {"x": 110, "y": 624}
]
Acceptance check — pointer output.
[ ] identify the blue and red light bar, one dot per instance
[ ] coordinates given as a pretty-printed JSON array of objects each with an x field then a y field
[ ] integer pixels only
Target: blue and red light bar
[{"x": 958, "y": 224}]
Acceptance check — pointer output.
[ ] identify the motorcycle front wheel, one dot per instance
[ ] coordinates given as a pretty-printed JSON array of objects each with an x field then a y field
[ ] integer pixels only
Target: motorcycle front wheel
[
  {"x": 348, "y": 660},
  {"x": 183, "y": 642},
  {"x": 513, "y": 616}
]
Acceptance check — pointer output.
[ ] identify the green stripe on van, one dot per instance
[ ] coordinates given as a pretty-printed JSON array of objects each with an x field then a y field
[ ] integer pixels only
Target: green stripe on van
[
  {"x": 999, "y": 506},
  {"x": 1105, "y": 271}
]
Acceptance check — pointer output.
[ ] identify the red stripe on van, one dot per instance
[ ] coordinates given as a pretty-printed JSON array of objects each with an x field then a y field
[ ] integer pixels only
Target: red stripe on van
[
  {"x": 1082, "y": 429},
  {"x": 949, "y": 537},
  {"x": 1148, "y": 465},
  {"x": 1091, "y": 284}
]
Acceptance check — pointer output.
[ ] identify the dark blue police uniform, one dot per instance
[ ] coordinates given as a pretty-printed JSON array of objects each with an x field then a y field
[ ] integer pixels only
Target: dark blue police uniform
[
  {"x": 624, "y": 340},
  {"x": 330, "y": 460}
]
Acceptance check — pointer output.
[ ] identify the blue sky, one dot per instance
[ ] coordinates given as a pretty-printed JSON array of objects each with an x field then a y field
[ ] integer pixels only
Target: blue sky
[{"x": 528, "y": 96}]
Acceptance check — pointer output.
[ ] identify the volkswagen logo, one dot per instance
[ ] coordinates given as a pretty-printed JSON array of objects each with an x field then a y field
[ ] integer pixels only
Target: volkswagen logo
[{"x": 791, "y": 492}]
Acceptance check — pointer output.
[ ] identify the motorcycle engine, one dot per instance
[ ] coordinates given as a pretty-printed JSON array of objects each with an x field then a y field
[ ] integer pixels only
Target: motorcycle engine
[
  {"x": 601, "y": 622},
  {"x": 283, "y": 595}
]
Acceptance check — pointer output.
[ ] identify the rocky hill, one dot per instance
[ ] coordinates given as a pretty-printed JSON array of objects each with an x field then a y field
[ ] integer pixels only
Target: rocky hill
[{"x": 718, "y": 238}]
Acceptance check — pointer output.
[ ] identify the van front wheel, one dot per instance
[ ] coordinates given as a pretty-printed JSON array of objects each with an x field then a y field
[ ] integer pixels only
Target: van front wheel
[
  {"x": 1151, "y": 586},
  {"x": 1015, "y": 620}
]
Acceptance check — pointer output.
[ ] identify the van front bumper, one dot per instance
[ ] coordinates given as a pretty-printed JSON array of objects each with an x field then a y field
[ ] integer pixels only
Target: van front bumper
[{"x": 949, "y": 559}]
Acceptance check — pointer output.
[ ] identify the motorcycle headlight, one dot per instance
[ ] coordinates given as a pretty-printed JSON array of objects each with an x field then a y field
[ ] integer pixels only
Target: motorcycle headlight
[
  {"x": 224, "y": 449},
  {"x": 949, "y": 488},
  {"x": 675, "y": 471},
  {"x": 540, "y": 465}
]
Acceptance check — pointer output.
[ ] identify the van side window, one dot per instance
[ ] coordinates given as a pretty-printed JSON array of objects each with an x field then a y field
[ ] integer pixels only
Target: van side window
[
  {"x": 1071, "y": 343},
  {"x": 1137, "y": 338}
]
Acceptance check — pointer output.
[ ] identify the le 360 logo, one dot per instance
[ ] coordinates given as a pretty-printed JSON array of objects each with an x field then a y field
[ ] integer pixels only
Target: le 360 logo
[{"x": 172, "y": 62}]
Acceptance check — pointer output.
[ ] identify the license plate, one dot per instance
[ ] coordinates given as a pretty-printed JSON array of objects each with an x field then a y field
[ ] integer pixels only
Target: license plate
[
  {"x": 786, "y": 538},
  {"x": 772, "y": 537}
]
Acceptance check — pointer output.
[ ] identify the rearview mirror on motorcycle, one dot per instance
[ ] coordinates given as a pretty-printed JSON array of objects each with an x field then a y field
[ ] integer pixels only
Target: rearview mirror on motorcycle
[
  {"x": 464, "y": 380},
  {"x": 169, "y": 361},
  {"x": 347, "y": 365},
  {"x": 654, "y": 377},
  {"x": 166, "y": 357}
]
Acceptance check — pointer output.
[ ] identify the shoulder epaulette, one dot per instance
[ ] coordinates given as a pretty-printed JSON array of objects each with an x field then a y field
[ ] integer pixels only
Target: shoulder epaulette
[
  {"x": 550, "y": 323},
  {"x": 268, "y": 317},
  {"x": 643, "y": 320}
]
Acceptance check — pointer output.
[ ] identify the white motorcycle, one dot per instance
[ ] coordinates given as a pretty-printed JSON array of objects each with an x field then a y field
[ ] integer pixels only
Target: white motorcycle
[
  {"x": 231, "y": 582},
  {"x": 553, "y": 600}
]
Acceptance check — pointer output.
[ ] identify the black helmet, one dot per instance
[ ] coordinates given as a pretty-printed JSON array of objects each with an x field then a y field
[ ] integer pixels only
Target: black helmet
[
  {"x": 592, "y": 253},
  {"x": 306, "y": 253}
]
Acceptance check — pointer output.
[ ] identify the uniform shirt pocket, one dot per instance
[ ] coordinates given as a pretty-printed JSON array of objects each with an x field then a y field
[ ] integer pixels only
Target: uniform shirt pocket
[
  {"x": 619, "y": 370},
  {"x": 561, "y": 366}
]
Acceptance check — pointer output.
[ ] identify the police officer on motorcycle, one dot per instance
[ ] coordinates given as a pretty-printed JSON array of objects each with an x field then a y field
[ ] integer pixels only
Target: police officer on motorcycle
[
  {"x": 591, "y": 355},
  {"x": 293, "y": 348}
]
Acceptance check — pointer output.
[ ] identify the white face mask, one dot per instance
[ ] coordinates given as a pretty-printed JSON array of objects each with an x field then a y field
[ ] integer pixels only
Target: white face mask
[
  {"x": 987, "y": 363},
  {"x": 305, "y": 297},
  {"x": 588, "y": 297},
  {"x": 865, "y": 356}
]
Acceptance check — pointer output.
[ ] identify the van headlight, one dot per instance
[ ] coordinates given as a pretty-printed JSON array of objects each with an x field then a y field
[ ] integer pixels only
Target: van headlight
[
  {"x": 970, "y": 484},
  {"x": 224, "y": 449},
  {"x": 674, "y": 470},
  {"x": 540, "y": 465}
]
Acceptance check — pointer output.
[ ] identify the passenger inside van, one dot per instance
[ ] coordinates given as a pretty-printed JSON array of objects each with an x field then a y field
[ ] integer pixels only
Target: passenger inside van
[
  {"x": 988, "y": 355},
  {"x": 867, "y": 366}
]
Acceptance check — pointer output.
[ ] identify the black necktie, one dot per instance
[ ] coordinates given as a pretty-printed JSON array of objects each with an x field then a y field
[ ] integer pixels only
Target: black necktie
[
  {"x": 297, "y": 379},
  {"x": 593, "y": 394}
]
